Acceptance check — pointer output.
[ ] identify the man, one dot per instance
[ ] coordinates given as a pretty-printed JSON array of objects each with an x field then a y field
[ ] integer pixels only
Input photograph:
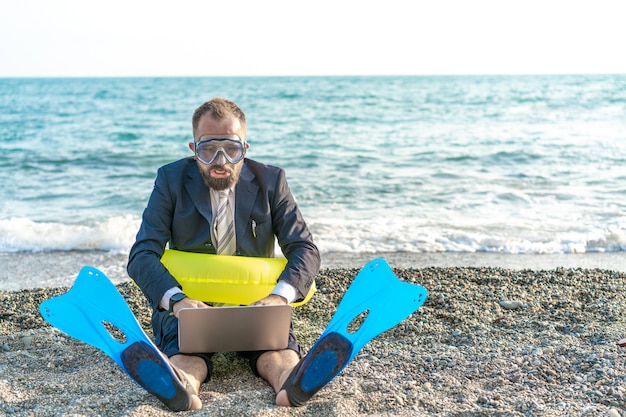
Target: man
[{"x": 183, "y": 211}]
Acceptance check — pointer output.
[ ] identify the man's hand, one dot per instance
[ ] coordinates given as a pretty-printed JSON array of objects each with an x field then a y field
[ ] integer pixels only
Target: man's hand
[
  {"x": 188, "y": 303},
  {"x": 271, "y": 299}
]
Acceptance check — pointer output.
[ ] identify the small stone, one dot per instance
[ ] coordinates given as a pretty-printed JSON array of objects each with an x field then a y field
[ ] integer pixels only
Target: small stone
[
  {"x": 587, "y": 410},
  {"x": 6, "y": 347},
  {"x": 510, "y": 305},
  {"x": 613, "y": 413}
]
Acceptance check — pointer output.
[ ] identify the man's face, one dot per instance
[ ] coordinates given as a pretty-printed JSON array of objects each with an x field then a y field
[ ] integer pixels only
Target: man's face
[{"x": 220, "y": 174}]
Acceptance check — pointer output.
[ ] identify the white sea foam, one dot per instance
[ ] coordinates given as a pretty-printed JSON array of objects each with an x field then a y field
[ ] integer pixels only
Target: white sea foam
[
  {"x": 117, "y": 234},
  {"x": 20, "y": 234}
]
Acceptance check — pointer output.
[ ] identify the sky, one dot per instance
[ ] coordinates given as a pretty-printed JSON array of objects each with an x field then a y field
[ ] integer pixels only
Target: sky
[{"x": 82, "y": 38}]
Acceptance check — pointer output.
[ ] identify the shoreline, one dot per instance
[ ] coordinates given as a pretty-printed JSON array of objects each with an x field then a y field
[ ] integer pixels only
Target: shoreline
[
  {"x": 59, "y": 269},
  {"x": 462, "y": 353},
  {"x": 614, "y": 261}
]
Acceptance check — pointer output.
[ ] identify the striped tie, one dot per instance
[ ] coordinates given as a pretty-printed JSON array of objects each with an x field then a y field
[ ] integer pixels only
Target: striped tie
[{"x": 224, "y": 226}]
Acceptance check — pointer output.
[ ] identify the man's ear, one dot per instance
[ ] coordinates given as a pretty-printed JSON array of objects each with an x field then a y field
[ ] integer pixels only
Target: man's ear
[{"x": 192, "y": 146}]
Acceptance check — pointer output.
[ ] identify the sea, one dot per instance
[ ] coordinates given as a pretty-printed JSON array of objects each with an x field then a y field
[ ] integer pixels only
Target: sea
[{"x": 528, "y": 171}]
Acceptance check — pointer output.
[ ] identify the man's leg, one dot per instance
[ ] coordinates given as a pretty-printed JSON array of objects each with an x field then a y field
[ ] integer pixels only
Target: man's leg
[
  {"x": 275, "y": 367},
  {"x": 195, "y": 369}
]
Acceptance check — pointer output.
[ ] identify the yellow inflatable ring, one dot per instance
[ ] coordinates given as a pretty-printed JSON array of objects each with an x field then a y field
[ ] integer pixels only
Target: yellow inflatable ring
[{"x": 238, "y": 280}]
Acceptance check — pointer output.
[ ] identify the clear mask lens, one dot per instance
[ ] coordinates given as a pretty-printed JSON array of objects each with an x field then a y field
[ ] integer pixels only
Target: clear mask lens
[{"x": 207, "y": 150}]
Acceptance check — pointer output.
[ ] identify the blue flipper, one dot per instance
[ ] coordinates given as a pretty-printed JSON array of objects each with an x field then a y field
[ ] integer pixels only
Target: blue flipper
[
  {"x": 375, "y": 291},
  {"x": 82, "y": 313}
]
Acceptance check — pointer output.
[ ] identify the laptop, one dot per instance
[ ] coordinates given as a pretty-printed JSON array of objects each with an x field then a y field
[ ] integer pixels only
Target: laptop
[{"x": 234, "y": 328}]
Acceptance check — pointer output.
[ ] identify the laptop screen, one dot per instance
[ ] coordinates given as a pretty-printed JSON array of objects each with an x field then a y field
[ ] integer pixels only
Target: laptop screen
[{"x": 234, "y": 329}]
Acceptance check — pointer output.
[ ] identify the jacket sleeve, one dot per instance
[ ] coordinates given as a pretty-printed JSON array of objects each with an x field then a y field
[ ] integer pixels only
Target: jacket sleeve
[
  {"x": 294, "y": 239},
  {"x": 144, "y": 261}
]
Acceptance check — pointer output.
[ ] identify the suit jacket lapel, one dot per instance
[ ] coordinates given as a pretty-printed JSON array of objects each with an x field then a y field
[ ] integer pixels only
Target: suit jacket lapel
[
  {"x": 199, "y": 192},
  {"x": 245, "y": 195}
]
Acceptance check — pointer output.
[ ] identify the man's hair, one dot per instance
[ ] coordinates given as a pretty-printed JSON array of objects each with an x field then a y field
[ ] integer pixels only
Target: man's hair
[{"x": 219, "y": 108}]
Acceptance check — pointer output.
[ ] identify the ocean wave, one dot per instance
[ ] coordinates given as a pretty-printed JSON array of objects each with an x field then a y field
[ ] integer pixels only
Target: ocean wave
[{"x": 116, "y": 235}]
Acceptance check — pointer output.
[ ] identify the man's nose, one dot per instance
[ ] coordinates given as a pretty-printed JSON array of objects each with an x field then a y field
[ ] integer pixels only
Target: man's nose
[{"x": 220, "y": 159}]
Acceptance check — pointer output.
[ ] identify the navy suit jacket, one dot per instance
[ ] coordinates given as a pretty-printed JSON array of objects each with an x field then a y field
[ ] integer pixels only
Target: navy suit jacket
[{"x": 179, "y": 213}]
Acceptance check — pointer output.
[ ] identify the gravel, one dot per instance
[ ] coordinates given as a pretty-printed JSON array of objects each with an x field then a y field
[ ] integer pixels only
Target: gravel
[{"x": 487, "y": 342}]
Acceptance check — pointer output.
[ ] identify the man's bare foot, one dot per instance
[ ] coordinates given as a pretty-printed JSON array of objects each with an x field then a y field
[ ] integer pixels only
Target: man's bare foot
[
  {"x": 281, "y": 398},
  {"x": 196, "y": 403},
  {"x": 194, "y": 370}
]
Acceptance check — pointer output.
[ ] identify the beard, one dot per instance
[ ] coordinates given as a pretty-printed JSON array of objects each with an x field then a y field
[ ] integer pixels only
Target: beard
[{"x": 220, "y": 183}]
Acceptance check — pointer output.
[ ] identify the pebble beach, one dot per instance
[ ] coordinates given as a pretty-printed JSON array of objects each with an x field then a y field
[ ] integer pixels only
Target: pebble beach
[{"x": 488, "y": 341}]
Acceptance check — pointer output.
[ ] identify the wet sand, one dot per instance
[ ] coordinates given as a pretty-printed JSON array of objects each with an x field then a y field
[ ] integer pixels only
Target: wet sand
[{"x": 59, "y": 269}]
